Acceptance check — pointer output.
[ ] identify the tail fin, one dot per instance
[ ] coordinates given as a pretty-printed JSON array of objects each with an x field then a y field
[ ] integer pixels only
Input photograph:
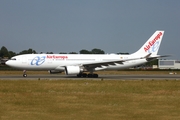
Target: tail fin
[{"x": 152, "y": 45}]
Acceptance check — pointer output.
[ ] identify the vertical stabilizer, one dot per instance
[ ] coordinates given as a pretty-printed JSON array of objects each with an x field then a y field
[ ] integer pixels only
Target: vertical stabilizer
[{"x": 152, "y": 45}]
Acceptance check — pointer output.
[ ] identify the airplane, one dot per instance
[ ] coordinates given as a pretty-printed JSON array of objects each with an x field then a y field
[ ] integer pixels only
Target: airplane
[{"x": 80, "y": 64}]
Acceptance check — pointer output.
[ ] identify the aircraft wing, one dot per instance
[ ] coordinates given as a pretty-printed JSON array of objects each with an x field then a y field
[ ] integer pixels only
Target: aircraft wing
[{"x": 107, "y": 63}]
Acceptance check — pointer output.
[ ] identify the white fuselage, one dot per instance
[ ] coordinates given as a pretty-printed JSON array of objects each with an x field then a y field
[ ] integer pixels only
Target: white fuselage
[{"x": 59, "y": 61}]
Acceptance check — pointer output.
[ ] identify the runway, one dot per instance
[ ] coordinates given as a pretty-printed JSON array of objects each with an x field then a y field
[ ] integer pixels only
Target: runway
[{"x": 101, "y": 77}]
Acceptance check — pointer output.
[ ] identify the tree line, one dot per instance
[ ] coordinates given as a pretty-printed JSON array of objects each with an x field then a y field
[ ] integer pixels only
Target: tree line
[{"x": 5, "y": 53}]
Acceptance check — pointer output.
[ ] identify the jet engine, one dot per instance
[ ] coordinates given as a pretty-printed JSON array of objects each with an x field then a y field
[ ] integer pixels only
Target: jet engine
[{"x": 70, "y": 70}]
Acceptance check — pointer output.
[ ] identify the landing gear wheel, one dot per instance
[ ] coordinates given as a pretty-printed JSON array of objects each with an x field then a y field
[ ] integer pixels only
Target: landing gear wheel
[
  {"x": 24, "y": 75},
  {"x": 95, "y": 75},
  {"x": 78, "y": 75},
  {"x": 84, "y": 75},
  {"x": 87, "y": 75},
  {"x": 92, "y": 75}
]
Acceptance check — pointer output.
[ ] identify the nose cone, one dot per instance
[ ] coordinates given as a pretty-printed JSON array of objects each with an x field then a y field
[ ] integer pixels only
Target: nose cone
[
  {"x": 11, "y": 63},
  {"x": 8, "y": 63}
]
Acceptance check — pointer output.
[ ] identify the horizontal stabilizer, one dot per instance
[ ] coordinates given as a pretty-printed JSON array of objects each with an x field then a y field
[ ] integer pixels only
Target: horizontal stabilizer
[{"x": 156, "y": 57}]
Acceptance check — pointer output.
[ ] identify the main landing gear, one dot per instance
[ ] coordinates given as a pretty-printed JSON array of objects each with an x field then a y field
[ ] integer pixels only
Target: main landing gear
[
  {"x": 87, "y": 75},
  {"x": 24, "y": 73}
]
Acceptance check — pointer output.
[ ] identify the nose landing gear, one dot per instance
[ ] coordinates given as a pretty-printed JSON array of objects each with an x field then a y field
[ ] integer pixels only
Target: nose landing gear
[{"x": 24, "y": 73}]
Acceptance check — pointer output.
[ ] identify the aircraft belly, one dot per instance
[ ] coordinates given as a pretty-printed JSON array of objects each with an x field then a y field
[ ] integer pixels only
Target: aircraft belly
[{"x": 41, "y": 67}]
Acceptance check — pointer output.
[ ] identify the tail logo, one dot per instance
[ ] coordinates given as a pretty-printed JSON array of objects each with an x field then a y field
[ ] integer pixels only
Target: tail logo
[
  {"x": 154, "y": 48},
  {"x": 153, "y": 44}
]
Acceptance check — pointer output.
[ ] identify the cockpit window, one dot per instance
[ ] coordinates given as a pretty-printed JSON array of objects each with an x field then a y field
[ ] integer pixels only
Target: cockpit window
[{"x": 13, "y": 59}]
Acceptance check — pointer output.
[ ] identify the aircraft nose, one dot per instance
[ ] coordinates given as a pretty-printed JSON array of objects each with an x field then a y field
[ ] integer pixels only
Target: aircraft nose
[{"x": 8, "y": 63}]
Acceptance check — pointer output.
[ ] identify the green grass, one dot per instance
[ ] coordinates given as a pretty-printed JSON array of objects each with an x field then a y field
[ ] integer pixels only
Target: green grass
[{"x": 89, "y": 100}]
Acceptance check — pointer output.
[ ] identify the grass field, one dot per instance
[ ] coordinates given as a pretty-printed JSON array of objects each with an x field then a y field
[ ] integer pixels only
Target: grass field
[{"x": 89, "y": 100}]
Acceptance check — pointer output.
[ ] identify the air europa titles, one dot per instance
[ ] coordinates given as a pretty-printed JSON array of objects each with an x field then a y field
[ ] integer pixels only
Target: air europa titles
[
  {"x": 151, "y": 43},
  {"x": 56, "y": 57}
]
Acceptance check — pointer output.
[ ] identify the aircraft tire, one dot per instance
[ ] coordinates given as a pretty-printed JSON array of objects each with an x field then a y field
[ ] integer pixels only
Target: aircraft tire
[
  {"x": 89, "y": 75},
  {"x": 24, "y": 75},
  {"x": 84, "y": 75},
  {"x": 79, "y": 75},
  {"x": 92, "y": 75},
  {"x": 95, "y": 75}
]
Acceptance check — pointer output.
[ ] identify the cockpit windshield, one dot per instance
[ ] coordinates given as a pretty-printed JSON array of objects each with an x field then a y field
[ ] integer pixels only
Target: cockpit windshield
[{"x": 13, "y": 59}]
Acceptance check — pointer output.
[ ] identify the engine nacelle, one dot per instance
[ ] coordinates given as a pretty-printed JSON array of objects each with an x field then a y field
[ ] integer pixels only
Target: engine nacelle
[
  {"x": 71, "y": 70},
  {"x": 55, "y": 71}
]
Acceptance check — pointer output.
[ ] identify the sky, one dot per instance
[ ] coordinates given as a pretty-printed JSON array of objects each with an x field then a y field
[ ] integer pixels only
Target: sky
[{"x": 72, "y": 25}]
